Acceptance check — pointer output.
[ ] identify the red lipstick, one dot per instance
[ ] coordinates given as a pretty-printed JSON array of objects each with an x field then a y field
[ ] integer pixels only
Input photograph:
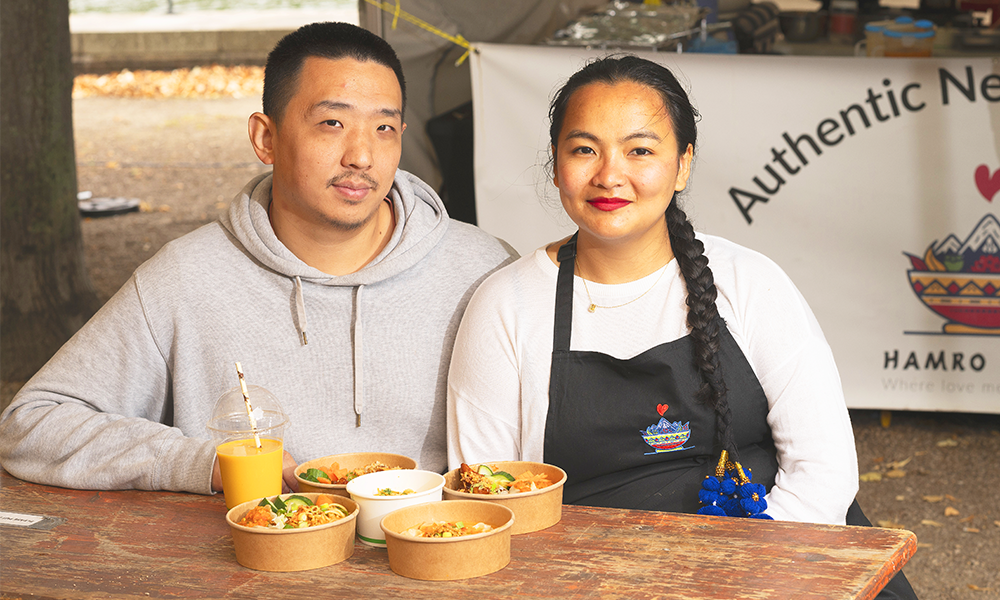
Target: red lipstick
[{"x": 608, "y": 204}]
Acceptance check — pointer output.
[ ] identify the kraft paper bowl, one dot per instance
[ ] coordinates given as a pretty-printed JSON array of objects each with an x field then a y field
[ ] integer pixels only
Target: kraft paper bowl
[
  {"x": 354, "y": 460},
  {"x": 442, "y": 559},
  {"x": 535, "y": 510},
  {"x": 285, "y": 550},
  {"x": 426, "y": 486}
]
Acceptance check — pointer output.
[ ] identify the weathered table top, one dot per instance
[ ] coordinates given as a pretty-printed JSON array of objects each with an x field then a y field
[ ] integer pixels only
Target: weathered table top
[{"x": 135, "y": 544}]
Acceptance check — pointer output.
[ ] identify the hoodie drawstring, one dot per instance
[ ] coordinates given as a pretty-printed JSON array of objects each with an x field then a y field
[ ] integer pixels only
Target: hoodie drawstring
[
  {"x": 358, "y": 356},
  {"x": 300, "y": 313},
  {"x": 300, "y": 310}
]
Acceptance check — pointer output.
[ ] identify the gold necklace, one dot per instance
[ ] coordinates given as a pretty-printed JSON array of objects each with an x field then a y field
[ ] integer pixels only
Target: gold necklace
[{"x": 593, "y": 307}]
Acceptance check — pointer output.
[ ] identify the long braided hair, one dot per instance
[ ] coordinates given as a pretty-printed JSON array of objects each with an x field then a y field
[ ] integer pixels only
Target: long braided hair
[{"x": 703, "y": 315}]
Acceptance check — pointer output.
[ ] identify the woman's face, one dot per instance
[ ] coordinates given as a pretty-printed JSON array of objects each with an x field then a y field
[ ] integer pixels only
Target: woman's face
[{"x": 616, "y": 164}]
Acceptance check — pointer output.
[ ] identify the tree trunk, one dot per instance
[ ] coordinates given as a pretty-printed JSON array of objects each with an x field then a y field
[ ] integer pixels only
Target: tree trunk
[{"x": 45, "y": 290}]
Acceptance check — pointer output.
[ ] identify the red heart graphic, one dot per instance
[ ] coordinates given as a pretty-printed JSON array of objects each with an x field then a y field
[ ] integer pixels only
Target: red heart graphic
[
  {"x": 661, "y": 408},
  {"x": 988, "y": 184}
]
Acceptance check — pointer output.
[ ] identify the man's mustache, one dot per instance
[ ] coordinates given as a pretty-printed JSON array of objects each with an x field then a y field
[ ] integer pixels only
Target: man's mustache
[{"x": 354, "y": 177}]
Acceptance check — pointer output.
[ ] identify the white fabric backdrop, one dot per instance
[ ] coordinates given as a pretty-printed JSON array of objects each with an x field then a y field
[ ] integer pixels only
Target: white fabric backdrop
[{"x": 842, "y": 219}]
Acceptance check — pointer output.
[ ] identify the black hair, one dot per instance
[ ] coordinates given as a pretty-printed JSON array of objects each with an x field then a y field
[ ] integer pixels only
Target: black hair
[
  {"x": 322, "y": 40},
  {"x": 703, "y": 315}
]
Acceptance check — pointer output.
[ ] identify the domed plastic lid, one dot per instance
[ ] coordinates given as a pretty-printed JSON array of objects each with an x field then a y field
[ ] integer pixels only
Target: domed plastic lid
[
  {"x": 904, "y": 20},
  {"x": 231, "y": 420},
  {"x": 924, "y": 24}
]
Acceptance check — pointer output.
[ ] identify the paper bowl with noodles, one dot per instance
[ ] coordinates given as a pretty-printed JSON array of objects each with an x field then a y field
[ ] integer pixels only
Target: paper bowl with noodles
[
  {"x": 534, "y": 490},
  {"x": 477, "y": 541},
  {"x": 346, "y": 467},
  {"x": 378, "y": 494},
  {"x": 320, "y": 535}
]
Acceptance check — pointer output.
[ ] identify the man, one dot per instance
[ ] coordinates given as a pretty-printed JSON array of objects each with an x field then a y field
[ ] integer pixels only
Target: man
[{"x": 337, "y": 281}]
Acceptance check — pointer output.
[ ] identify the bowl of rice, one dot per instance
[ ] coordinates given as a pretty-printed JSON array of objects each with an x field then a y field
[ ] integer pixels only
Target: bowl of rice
[
  {"x": 443, "y": 541},
  {"x": 330, "y": 474},
  {"x": 293, "y": 532},
  {"x": 534, "y": 491}
]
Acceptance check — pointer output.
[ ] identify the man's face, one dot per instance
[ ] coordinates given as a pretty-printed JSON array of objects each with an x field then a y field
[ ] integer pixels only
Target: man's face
[{"x": 337, "y": 145}]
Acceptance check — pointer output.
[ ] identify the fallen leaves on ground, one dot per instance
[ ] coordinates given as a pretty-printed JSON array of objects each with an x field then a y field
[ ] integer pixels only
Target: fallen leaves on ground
[
  {"x": 933, "y": 499},
  {"x": 871, "y": 476},
  {"x": 975, "y": 587},
  {"x": 213, "y": 81},
  {"x": 899, "y": 464},
  {"x": 951, "y": 512},
  {"x": 889, "y": 524},
  {"x": 931, "y": 523},
  {"x": 895, "y": 473},
  {"x": 947, "y": 443}
]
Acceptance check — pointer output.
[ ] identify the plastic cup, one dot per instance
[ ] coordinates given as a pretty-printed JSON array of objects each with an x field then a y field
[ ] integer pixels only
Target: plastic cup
[
  {"x": 248, "y": 472},
  {"x": 874, "y": 41},
  {"x": 908, "y": 38},
  {"x": 910, "y": 44}
]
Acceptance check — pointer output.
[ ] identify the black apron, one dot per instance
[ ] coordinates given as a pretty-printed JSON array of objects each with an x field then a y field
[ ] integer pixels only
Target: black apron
[
  {"x": 630, "y": 433},
  {"x": 600, "y": 410}
]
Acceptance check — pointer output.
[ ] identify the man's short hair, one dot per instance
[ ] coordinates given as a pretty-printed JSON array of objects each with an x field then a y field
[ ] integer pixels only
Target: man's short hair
[{"x": 322, "y": 40}]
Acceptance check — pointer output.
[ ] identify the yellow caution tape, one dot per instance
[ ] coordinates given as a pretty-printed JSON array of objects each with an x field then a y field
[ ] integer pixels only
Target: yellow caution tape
[{"x": 397, "y": 12}]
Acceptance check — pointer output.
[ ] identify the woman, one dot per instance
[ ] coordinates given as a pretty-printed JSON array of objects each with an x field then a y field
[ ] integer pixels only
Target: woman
[
  {"x": 636, "y": 352},
  {"x": 658, "y": 335}
]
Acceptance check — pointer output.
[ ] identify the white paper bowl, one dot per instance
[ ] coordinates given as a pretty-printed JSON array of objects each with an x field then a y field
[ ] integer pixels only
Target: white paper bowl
[{"x": 426, "y": 485}]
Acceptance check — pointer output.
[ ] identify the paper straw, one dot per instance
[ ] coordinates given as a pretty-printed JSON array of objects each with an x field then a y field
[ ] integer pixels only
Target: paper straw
[{"x": 246, "y": 400}]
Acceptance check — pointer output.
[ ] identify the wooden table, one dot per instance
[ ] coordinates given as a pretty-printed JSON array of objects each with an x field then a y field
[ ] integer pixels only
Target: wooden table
[{"x": 165, "y": 545}]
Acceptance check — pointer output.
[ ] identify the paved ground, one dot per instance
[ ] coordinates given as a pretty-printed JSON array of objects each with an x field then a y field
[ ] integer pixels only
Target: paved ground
[{"x": 938, "y": 473}]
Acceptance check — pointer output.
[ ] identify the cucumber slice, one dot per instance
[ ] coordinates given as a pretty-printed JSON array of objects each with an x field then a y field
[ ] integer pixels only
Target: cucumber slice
[
  {"x": 294, "y": 502},
  {"x": 313, "y": 475},
  {"x": 267, "y": 503},
  {"x": 278, "y": 503},
  {"x": 485, "y": 470},
  {"x": 503, "y": 476}
]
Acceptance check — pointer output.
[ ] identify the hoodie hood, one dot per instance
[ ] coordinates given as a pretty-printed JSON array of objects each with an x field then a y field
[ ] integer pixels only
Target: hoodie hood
[{"x": 421, "y": 222}]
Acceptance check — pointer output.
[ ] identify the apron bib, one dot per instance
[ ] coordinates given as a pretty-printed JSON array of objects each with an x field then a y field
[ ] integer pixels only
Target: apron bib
[{"x": 630, "y": 433}]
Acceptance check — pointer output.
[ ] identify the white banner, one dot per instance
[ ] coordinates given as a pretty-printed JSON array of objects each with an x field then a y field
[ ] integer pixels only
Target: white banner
[{"x": 874, "y": 182}]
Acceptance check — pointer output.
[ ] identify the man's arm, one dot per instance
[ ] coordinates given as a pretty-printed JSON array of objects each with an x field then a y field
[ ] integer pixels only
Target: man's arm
[{"x": 93, "y": 416}]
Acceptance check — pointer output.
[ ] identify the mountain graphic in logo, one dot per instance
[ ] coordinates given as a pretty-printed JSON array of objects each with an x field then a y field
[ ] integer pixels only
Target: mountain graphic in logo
[{"x": 960, "y": 280}]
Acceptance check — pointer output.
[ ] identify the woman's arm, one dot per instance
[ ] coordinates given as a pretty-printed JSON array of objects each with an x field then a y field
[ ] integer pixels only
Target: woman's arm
[
  {"x": 817, "y": 475},
  {"x": 483, "y": 383}
]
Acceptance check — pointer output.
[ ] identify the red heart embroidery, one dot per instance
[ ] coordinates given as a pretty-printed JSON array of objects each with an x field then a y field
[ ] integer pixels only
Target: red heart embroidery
[
  {"x": 988, "y": 184},
  {"x": 661, "y": 408}
]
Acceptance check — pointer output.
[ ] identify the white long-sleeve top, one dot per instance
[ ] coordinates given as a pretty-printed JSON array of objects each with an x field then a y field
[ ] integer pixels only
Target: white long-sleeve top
[{"x": 498, "y": 386}]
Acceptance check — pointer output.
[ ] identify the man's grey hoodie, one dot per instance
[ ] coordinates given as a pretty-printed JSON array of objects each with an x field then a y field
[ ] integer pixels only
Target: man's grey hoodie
[{"x": 125, "y": 403}]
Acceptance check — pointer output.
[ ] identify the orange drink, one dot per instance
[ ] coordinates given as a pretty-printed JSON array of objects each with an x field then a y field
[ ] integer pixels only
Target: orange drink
[{"x": 249, "y": 472}]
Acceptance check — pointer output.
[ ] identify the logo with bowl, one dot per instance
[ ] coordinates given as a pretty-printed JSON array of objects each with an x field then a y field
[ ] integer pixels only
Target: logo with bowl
[
  {"x": 666, "y": 436},
  {"x": 960, "y": 279}
]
